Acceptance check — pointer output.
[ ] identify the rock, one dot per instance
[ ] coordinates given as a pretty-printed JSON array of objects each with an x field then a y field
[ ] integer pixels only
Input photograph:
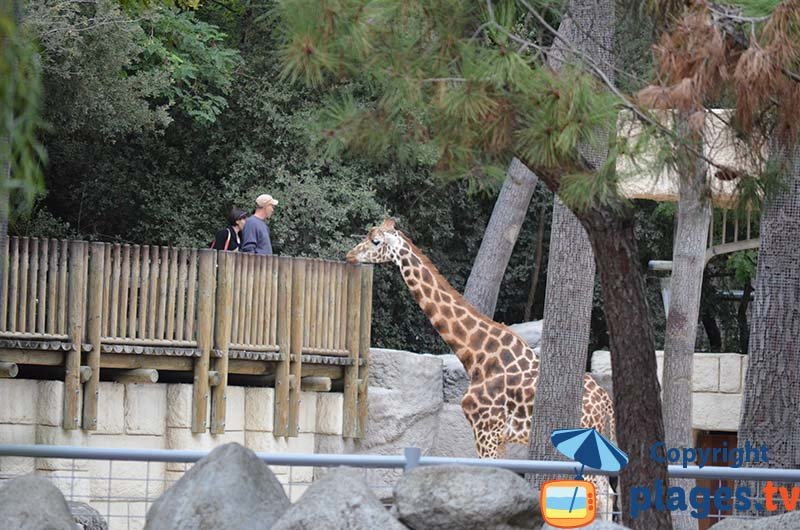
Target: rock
[
  {"x": 33, "y": 503},
  {"x": 230, "y": 488},
  {"x": 464, "y": 498},
  {"x": 454, "y": 434},
  {"x": 786, "y": 521},
  {"x": 454, "y": 379},
  {"x": 531, "y": 332},
  {"x": 340, "y": 500},
  {"x": 87, "y": 517}
]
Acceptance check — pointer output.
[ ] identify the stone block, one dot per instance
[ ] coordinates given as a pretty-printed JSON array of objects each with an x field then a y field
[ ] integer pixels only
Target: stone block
[
  {"x": 13, "y": 435},
  {"x": 145, "y": 409},
  {"x": 50, "y": 403},
  {"x": 259, "y": 409},
  {"x": 179, "y": 406},
  {"x": 115, "y": 513},
  {"x": 137, "y": 515},
  {"x": 716, "y": 412},
  {"x": 18, "y": 398},
  {"x": 111, "y": 409},
  {"x": 705, "y": 375},
  {"x": 454, "y": 436},
  {"x": 234, "y": 408},
  {"x": 74, "y": 485},
  {"x": 47, "y": 435},
  {"x": 265, "y": 442},
  {"x": 730, "y": 373},
  {"x": 116, "y": 441},
  {"x": 601, "y": 362},
  {"x": 330, "y": 408},
  {"x": 308, "y": 412},
  {"x": 130, "y": 480}
]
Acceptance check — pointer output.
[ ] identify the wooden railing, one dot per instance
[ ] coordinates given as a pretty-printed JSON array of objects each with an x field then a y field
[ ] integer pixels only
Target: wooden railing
[
  {"x": 127, "y": 308},
  {"x": 730, "y": 231}
]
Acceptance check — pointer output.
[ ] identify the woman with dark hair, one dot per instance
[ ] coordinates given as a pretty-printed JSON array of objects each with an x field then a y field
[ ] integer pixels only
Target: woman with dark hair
[{"x": 228, "y": 238}]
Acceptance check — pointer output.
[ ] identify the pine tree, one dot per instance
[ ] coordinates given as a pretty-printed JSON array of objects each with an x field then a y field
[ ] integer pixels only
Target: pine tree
[{"x": 469, "y": 85}]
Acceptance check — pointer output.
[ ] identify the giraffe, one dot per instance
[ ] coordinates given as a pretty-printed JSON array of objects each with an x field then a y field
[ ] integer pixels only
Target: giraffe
[{"x": 502, "y": 368}]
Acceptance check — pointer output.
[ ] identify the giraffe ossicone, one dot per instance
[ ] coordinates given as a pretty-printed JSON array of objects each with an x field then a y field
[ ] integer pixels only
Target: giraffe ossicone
[{"x": 502, "y": 369}]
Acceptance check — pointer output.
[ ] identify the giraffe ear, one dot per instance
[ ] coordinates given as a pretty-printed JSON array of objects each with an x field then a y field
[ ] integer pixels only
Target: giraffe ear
[{"x": 388, "y": 224}]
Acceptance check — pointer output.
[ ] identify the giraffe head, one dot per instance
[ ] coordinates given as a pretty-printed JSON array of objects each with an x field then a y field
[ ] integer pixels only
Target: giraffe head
[{"x": 381, "y": 245}]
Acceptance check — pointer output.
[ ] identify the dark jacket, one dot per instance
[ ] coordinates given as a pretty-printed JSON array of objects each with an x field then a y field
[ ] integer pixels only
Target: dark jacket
[{"x": 227, "y": 239}]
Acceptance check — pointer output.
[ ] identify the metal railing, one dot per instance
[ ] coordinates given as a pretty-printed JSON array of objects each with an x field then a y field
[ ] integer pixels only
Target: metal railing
[{"x": 122, "y": 483}]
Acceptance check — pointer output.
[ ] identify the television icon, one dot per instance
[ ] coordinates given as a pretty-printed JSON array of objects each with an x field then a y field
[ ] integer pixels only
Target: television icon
[{"x": 568, "y": 503}]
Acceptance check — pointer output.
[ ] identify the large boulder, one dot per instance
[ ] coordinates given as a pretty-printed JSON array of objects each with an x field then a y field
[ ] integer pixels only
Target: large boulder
[
  {"x": 454, "y": 379},
  {"x": 531, "y": 332},
  {"x": 340, "y": 500},
  {"x": 230, "y": 488},
  {"x": 86, "y": 517},
  {"x": 786, "y": 521},
  {"x": 454, "y": 435},
  {"x": 33, "y": 503},
  {"x": 465, "y": 498}
]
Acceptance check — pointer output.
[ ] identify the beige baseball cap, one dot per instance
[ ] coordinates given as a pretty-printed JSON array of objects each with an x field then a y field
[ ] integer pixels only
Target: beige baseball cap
[{"x": 264, "y": 200}]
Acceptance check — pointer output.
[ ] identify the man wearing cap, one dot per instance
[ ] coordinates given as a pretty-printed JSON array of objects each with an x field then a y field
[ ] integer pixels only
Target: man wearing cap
[{"x": 255, "y": 236}]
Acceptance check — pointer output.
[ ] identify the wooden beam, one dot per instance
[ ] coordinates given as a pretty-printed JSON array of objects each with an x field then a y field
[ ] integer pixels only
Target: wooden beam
[
  {"x": 222, "y": 339},
  {"x": 75, "y": 323},
  {"x": 299, "y": 271},
  {"x": 205, "y": 333},
  {"x": 38, "y": 358},
  {"x": 94, "y": 319},
  {"x": 245, "y": 367},
  {"x": 365, "y": 328},
  {"x": 214, "y": 380},
  {"x": 315, "y": 384},
  {"x": 121, "y": 360},
  {"x": 140, "y": 375},
  {"x": 350, "y": 412},
  {"x": 284, "y": 316},
  {"x": 8, "y": 370}
]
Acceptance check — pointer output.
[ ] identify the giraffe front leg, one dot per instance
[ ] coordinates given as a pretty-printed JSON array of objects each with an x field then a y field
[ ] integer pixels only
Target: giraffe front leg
[{"x": 489, "y": 443}]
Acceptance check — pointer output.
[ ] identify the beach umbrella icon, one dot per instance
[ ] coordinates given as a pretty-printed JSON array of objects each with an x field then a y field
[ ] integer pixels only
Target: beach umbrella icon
[{"x": 590, "y": 448}]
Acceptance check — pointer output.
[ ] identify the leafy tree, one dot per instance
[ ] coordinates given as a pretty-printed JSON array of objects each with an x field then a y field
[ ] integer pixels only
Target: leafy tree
[{"x": 456, "y": 77}]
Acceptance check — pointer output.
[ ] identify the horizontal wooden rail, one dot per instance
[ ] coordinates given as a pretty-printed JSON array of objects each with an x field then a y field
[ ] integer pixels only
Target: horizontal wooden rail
[{"x": 93, "y": 307}]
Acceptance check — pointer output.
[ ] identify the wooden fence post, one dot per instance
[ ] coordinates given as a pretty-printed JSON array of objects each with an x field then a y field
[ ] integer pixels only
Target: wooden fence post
[
  {"x": 205, "y": 332},
  {"x": 284, "y": 317},
  {"x": 296, "y": 343},
  {"x": 365, "y": 328},
  {"x": 75, "y": 323},
  {"x": 350, "y": 412},
  {"x": 222, "y": 339},
  {"x": 94, "y": 320}
]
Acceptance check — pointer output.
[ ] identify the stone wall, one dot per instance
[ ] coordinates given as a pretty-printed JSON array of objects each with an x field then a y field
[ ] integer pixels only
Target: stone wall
[
  {"x": 156, "y": 416},
  {"x": 718, "y": 384}
]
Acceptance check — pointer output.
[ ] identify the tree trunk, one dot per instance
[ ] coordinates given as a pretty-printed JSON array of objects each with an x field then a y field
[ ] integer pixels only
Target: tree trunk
[
  {"x": 508, "y": 214},
  {"x": 636, "y": 390},
  {"x": 537, "y": 264},
  {"x": 688, "y": 264},
  {"x": 772, "y": 386},
  {"x": 744, "y": 326},
  {"x": 589, "y": 26}
]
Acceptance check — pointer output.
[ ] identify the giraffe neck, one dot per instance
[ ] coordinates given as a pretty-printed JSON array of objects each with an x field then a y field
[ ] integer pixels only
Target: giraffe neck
[{"x": 448, "y": 311}]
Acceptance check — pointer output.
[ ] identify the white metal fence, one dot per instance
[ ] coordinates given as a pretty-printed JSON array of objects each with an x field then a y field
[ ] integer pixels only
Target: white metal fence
[{"x": 122, "y": 484}]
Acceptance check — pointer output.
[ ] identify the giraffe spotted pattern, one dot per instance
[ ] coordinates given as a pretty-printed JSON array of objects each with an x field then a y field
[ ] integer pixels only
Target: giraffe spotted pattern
[{"x": 502, "y": 368}]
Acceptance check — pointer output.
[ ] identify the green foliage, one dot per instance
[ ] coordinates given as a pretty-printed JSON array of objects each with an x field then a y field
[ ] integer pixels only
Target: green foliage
[
  {"x": 192, "y": 53},
  {"x": 743, "y": 265},
  {"x": 20, "y": 121},
  {"x": 755, "y": 8}
]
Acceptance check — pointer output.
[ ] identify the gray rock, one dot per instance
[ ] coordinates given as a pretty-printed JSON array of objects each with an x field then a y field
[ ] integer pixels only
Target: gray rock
[
  {"x": 33, "y": 503},
  {"x": 86, "y": 517},
  {"x": 465, "y": 498},
  {"x": 340, "y": 500},
  {"x": 786, "y": 521},
  {"x": 230, "y": 488},
  {"x": 454, "y": 435},
  {"x": 531, "y": 332},
  {"x": 454, "y": 379}
]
